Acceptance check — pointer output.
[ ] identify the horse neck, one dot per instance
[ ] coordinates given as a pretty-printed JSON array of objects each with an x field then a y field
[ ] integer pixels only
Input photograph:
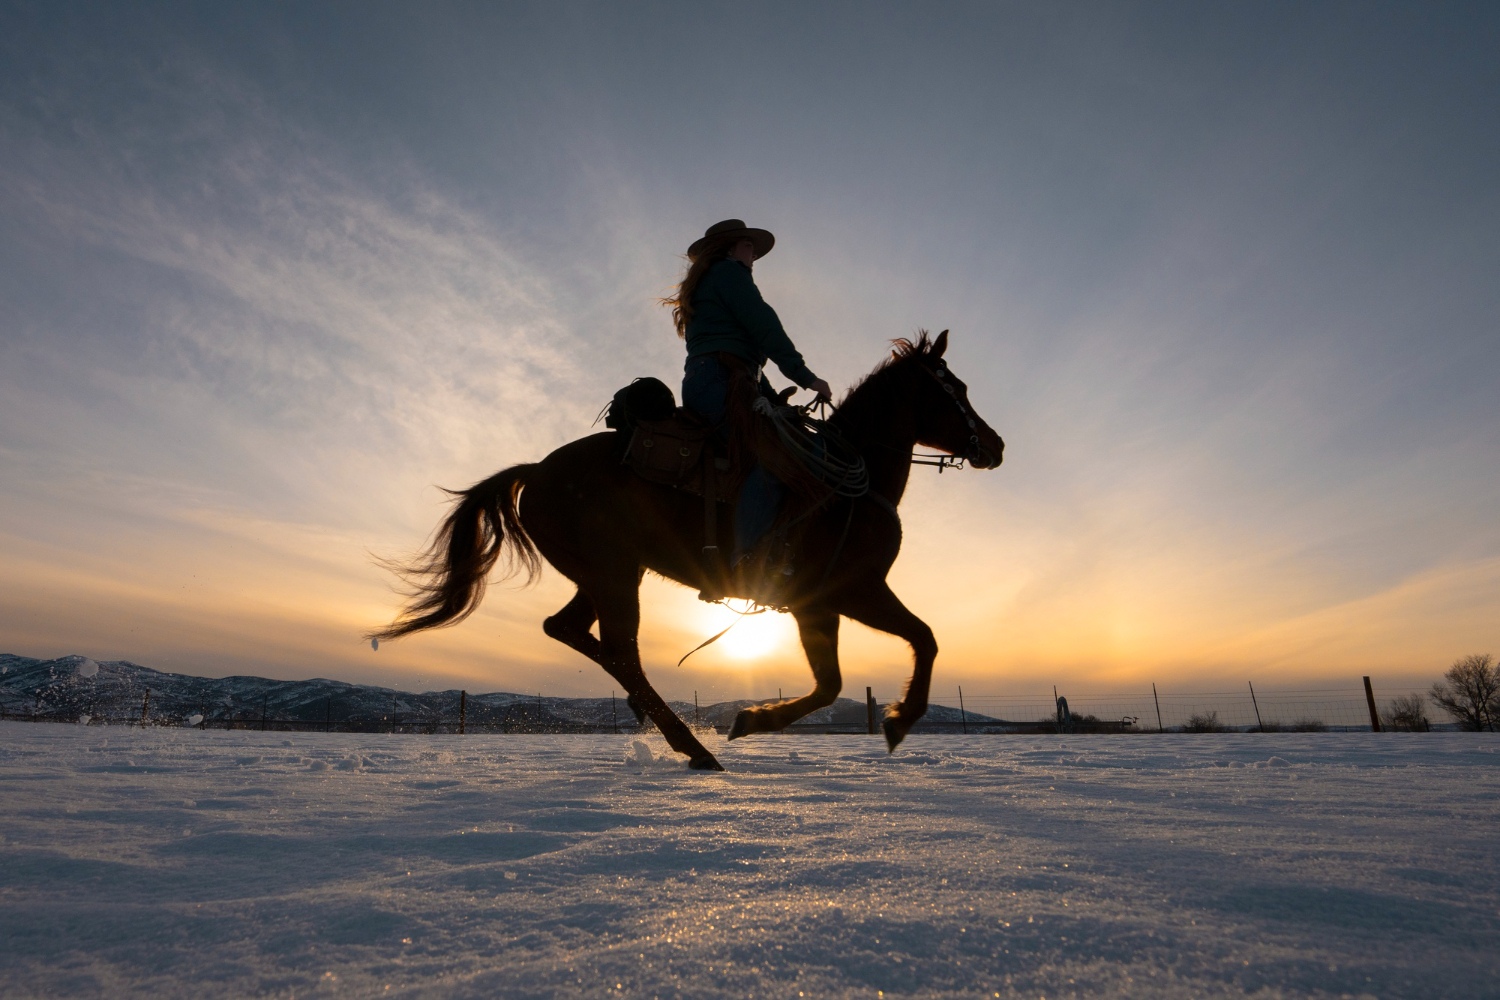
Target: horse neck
[{"x": 877, "y": 419}]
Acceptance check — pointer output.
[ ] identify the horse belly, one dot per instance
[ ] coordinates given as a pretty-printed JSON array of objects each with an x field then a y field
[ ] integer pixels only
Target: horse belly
[{"x": 585, "y": 510}]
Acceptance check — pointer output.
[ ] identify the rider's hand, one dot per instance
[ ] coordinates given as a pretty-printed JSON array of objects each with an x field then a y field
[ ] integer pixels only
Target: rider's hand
[{"x": 825, "y": 394}]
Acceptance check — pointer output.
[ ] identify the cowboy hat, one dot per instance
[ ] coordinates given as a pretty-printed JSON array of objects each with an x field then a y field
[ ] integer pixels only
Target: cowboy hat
[{"x": 762, "y": 239}]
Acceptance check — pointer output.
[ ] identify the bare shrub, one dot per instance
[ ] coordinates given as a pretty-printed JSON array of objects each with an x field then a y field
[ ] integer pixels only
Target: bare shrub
[
  {"x": 1272, "y": 727},
  {"x": 1406, "y": 714},
  {"x": 1308, "y": 726},
  {"x": 1470, "y": 692},
  {"x": 1208, "y": 722}
]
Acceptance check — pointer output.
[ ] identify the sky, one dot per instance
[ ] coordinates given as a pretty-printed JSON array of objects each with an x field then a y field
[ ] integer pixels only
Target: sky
[{"x": 1222, "y": 275}]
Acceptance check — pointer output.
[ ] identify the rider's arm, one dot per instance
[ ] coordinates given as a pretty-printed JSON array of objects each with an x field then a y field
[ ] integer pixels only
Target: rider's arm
[{"x": 743, "y": 299}]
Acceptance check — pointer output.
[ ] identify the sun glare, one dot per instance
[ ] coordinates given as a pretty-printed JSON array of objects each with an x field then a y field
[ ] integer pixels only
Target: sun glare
[{"x": 755, "y": 636}]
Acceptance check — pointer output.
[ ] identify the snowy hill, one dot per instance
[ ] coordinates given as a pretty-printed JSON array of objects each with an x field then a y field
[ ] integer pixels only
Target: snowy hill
[{"x": 72, "y": 687}]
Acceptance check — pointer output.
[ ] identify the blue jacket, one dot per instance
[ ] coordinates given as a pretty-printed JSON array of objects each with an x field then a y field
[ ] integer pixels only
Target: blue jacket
[{"x": 729, "y": 315}]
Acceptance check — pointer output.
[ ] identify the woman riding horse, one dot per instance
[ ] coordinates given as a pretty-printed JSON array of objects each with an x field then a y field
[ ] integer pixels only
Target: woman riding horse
[
  {"x": 731, "y": 332},
  {"x": 603, "y": 527}
]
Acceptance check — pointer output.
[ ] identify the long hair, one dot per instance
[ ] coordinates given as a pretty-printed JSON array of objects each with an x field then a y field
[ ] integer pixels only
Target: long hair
[{"x": 682, "y": 302}]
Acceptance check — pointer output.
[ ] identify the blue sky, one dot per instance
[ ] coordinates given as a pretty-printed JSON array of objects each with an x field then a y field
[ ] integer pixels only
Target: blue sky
[{"x": 1223, "y": 276}]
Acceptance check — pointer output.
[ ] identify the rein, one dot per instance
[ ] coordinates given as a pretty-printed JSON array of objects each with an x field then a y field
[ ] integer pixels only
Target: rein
[{"x": 941, "y": 461}]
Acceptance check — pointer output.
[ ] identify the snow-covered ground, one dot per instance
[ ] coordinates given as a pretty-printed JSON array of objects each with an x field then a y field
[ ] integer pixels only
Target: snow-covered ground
[{"x": 175, "y": 862}]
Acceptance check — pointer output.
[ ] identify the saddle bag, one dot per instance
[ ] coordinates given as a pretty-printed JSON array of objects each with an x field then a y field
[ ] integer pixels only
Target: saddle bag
[{"x": 673, "y": 452}]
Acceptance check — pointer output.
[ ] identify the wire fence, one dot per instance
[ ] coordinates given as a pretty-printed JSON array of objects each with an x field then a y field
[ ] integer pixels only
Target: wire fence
[
  {"x": 1315, "y": 709},
  {"x": 1148, "y": 711},
  {"x": 1248, "y": 709}
]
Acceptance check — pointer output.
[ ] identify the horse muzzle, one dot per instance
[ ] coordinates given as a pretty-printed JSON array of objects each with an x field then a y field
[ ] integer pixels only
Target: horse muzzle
[{"x": 982, "y": 457}]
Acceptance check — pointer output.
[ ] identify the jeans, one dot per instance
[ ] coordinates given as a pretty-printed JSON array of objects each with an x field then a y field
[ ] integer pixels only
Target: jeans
[{"x": 705, "y": 391}]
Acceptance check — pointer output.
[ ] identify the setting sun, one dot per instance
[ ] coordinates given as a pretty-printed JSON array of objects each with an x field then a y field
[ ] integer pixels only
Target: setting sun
[{"x": 755, "y": 635}]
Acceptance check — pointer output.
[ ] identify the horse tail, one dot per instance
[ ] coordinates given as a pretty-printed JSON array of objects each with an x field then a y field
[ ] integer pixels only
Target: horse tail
[{"x": 447, "y": 581}]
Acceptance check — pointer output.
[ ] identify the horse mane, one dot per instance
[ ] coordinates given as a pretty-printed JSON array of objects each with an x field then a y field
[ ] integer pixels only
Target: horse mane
[{"x": 903, "y": 351}]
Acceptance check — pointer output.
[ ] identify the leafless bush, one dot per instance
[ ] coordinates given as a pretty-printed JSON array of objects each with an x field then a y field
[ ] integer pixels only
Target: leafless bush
[
  {"x": 1406, "y": 714},
  {"x": 1272, "y": 727},
  {"x": 1208, "y": 722},
  {"x": 1470, "y": 692},
  {"x": 1308, "y": 726}
]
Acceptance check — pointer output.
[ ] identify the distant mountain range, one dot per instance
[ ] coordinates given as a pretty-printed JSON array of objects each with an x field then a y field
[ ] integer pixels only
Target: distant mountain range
[{"x": 78, "y": 688}]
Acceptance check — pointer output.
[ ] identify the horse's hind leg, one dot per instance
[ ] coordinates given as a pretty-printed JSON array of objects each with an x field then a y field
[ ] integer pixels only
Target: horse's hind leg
[
  {"x": 820, "y": 640},
  {"x": 571, "y": 625},
  {"x": 881, "y": 609},
  {"x": 619, "y": 609}
]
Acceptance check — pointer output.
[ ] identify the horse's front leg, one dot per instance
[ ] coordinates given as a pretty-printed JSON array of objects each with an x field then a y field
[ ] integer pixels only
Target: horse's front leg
[
  {"x": 819, "y": 629},
  {"x": 881, "y": 609}
]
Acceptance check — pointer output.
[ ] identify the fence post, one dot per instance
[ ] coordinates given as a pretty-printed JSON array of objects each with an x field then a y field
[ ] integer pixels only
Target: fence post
[
  {"x": 1370, "y": 699},
  {"x": 463, "y": 711},
  {"x": 1155, "y": 698},
  {"x": 1258, "y": 721},
  {"x": 145, "y": 706},
  {"x": 869, "y": 712},
  {"x": 393, "y": 715},
  {"x": 614, "y": 714},
  {"x": 963, "y": 716}
]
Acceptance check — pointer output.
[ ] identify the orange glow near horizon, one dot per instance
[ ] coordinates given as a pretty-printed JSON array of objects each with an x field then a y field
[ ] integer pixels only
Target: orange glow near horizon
[{"x": 207, "y": 591}]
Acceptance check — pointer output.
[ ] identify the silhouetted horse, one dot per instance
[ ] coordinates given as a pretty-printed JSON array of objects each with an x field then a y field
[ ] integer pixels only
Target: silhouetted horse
[{"x": 602, "y": 527}]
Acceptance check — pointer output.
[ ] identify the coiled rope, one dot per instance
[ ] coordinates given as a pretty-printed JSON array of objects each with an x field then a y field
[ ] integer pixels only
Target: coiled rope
[{"x": 835, "y": 462}]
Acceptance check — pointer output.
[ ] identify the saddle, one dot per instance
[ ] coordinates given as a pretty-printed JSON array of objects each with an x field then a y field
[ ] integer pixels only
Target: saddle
[{"x": 676, "y": 447}]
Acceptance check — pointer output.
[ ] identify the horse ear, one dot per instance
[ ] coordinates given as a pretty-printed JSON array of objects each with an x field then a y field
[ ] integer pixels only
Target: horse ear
[{"x": 940, "y": 345}]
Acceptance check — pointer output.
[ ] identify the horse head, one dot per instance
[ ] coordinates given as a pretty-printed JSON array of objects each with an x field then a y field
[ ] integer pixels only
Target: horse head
[{"x": 945, "y": 419}]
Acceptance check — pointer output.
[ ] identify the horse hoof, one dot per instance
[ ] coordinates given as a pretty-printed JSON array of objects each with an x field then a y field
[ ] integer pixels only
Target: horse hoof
[
  {"x": 893, "y": 735},
  {"x": 741, "y": 726},
  {"x": 707, "y": 762}
]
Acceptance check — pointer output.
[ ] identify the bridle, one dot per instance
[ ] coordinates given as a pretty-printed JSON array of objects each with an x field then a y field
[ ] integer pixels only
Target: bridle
[{"x": 951, "y": 461}]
